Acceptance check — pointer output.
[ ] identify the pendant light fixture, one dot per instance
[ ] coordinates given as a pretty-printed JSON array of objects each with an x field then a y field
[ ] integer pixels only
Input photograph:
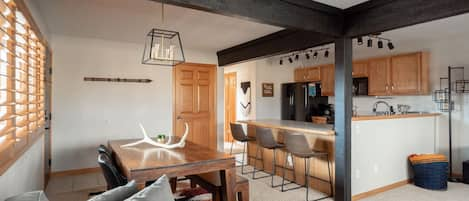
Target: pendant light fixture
[{"x": 163, "y": 47}]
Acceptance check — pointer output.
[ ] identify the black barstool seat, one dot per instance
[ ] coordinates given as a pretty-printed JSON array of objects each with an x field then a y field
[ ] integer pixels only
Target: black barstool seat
[{"x": 238, "y": 134}]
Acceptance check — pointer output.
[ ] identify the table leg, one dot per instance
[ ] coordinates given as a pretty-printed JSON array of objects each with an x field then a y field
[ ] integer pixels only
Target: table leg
[{"x": 228, "y": 177}]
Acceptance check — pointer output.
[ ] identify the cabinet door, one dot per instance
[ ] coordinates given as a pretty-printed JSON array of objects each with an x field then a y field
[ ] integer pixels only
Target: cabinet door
[
  {"x": 360, "y": 69},
  {"x": 405, "y": 74},
  {"x": 327, "y": 80},
  {"x": 299, "y": 75},
  {"x": 378, "y": 80},
  {"x": 313, "y": 74}
]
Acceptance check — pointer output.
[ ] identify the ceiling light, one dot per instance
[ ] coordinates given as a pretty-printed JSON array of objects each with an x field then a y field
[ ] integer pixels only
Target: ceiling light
[
  {"x": 390, "y": 45},
  {"x": 360, "y": 40},
  {"x": 163, "y": 47},
  {"x": 315, "y": 55},
  {"x": 297, "y": 57},
  {"x": 307, "y": 56},
  {"x": 290, "y": 60},
  {"x": 281, "y": 62},
  {"x": 370, "y": 43},
  {"x": 380, "y": 44},
  {"x": 326, "y": 54}
]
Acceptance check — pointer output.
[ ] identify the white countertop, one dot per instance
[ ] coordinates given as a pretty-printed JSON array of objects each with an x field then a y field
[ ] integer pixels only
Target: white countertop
[{"x": 296, "y": 126}]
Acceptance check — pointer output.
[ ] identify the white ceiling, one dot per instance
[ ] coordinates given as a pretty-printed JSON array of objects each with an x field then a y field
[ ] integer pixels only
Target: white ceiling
[
  {"x": 130, "y": 20},
  {"x": 342, "y": 4}
]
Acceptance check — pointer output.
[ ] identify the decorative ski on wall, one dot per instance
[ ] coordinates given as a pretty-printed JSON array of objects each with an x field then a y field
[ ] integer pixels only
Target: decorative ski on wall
[
  {"x": 102, "y": 79},
  {"x": 246, "y": 99}
]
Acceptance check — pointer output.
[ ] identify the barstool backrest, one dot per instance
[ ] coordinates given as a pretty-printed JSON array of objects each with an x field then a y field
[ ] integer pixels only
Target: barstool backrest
[
  {"x": 237, "y": 132},
  {"x": 297, "y": 144},
  {"x": 265, "y": 138}
]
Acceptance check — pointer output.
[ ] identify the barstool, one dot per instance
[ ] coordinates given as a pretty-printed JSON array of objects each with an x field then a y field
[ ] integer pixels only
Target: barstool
[
  {"x": 239, "y": 135},
  {"x": 298, "y": 146},
  {"x": 265, "y": 139}
]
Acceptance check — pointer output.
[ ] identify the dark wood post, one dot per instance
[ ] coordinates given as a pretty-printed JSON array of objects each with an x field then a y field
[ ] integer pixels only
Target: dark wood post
[{"x": 343, "y": 119}]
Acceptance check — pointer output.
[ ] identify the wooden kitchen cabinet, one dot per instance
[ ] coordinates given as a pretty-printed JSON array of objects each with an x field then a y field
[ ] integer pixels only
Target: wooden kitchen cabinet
[
  {"x": 310, "y": 74},
  {"x": 327, "y": 80},
  {"x": 378, "y": 76},
  {"x": 409, "y": 74},
  {"x": 360, "y": 69}
]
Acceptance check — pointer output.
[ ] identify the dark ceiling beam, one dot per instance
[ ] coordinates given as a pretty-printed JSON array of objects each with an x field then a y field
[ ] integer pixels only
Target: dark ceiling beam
[
  {"x": 384, "y": 15},
  {"x": 301, "y": 14},
  {"x": 280, "y": 42}
]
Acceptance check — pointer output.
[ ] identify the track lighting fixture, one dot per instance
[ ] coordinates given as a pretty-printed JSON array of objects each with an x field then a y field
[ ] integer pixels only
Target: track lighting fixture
[
  {"x": 290, "y": 60},
  {"x": 297, "y": 57},
  {"x": 315, "y": 55},
  {"x": 390, "y": 45},
  {"x": 281, "y": 62},
  {"x": 380, "y": 44},
  {"x": 326, "y": 53},
  {"x": 360, "y": 40},
  {"x": 307, "y": 55},
  {"x": 370, "y": 43}
]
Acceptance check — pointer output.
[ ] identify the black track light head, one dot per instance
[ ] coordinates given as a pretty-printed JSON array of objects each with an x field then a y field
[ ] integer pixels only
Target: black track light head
[
  {"x": 297, "y": 57},
  {"x": 326, "y": 54},
  {"x": 360, "y": 40},
  {"x": 390, "y": 45},
  {"x": 380, "y": 44},
  {"x": 290, "y": 60},
  {"x": 370, "y": 43},
  {"x": 315, "y": 55},
  {"x": 307, "y": 55},
  {"x": 281, "y": 62}
]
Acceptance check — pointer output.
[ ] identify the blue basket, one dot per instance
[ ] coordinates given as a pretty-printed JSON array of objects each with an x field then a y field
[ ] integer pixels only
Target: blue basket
[{"x": 433, "y": 176}]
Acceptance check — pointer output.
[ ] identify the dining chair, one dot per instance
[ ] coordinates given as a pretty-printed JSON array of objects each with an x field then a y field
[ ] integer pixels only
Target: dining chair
[
  {"x": 111, "y": 174},
  {"x": 103, "y": 149}
]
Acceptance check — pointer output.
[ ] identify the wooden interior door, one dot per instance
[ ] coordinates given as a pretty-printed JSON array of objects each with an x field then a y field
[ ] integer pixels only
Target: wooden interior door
[
  {"x": 195, "y": 101},
  {"x": 230, "y": 103},
  {"x": 405, "y": 74},
  {"x": 378, "y": 77}
]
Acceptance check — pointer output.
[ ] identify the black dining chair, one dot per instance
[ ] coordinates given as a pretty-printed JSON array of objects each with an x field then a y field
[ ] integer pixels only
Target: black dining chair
[
  {"x": 297, "y": 145},
  {"x": 238, "y": 134},
  {"x": 112, "y": 175},
  {"x": 103, "y": 149}
]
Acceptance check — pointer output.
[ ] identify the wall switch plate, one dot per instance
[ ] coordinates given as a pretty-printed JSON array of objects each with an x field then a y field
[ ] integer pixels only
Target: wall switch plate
[{"x": 290, "y": 161}]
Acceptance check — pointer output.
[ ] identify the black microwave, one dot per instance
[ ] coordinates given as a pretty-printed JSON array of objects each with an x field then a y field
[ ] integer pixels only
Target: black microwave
[{"x": 360, "y": 86}]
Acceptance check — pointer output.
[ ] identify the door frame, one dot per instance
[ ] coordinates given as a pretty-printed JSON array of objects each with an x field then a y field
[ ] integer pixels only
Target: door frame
[
  {"x": 213, "y": 117},
  {"x": 225, "y": 139}
]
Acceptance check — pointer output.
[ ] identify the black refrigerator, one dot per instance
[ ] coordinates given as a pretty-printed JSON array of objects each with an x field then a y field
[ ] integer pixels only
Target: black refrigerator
[{"x": 301, "y": 101}]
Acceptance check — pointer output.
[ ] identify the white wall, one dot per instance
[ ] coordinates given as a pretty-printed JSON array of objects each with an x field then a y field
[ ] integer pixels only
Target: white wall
[
  {"x": 87, "y": 114},
  {"x": 380, "y": 149},
  {"x": 26, "y": 174}
]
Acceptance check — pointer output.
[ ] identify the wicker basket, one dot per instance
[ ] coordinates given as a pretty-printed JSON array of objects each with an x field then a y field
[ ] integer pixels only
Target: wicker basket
[{"x": 430, "y": 171}]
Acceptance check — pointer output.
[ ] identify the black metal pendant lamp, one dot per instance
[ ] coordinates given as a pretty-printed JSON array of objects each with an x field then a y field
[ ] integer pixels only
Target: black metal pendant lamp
[{"x": 163, "y": 47}]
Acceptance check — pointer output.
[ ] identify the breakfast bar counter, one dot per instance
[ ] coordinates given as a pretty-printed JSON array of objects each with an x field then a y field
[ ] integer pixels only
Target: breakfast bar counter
[{"x": 293, "y": 126}]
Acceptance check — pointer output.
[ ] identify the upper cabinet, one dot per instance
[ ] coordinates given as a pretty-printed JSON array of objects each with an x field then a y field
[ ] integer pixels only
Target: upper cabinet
[
  {"x": 405, "y": 74},
  {"x": 327, "y": 80},
  {"x": 378, "y": 77},
  {"x": 409, "y": 74},
  {"x": 310, "y": 74},
  {"x": 360, "y": 68}
]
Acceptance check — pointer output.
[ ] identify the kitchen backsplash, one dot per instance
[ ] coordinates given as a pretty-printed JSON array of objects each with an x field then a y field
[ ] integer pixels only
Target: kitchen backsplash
[{"x": 364, "y": 104}]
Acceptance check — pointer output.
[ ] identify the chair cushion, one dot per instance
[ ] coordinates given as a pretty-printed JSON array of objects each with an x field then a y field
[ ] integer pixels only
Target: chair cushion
[
  {"x": 117, "y": 194},
  {"x": 158, "y": 191},
  {"x": 29, "y": 196}
]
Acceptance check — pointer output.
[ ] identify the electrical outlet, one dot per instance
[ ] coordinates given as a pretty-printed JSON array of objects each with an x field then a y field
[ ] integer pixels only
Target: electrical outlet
[
  {"x": 290, "y": 161},
  {"x": 357, "y": 173},
  {"x": 376, "y": 168}
]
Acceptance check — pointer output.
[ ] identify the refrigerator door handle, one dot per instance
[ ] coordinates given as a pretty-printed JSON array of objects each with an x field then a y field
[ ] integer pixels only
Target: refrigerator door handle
[{"x": 306, "y": 96}]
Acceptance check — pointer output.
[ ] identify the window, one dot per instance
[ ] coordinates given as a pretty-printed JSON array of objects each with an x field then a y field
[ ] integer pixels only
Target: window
[{"x": 22, "y": 61}]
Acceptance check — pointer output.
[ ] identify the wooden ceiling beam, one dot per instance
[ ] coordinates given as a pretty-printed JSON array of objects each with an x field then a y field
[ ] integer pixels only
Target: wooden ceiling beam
[
  {"x": 312, "y": 16},
  {"x": 384, "y": 15},
  {"x": 280, "y": 42}
]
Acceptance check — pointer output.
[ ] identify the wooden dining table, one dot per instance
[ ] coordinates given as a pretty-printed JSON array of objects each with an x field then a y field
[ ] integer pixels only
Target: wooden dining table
[{"x": 144, "y": 163}]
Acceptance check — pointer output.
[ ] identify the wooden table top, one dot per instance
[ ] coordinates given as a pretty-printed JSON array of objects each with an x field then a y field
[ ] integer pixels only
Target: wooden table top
[
  {"x": 296, "y": 126},
  {"x": 144, "y": 156}
]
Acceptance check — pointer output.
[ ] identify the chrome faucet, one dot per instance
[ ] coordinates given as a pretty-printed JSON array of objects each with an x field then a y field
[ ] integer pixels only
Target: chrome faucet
[{"x": 375, "y": 107}]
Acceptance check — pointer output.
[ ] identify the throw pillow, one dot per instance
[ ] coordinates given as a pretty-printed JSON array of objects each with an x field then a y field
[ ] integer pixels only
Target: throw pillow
[
  {"x": 160, "y": 190},
  {"x": 117, "y": 194}
]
